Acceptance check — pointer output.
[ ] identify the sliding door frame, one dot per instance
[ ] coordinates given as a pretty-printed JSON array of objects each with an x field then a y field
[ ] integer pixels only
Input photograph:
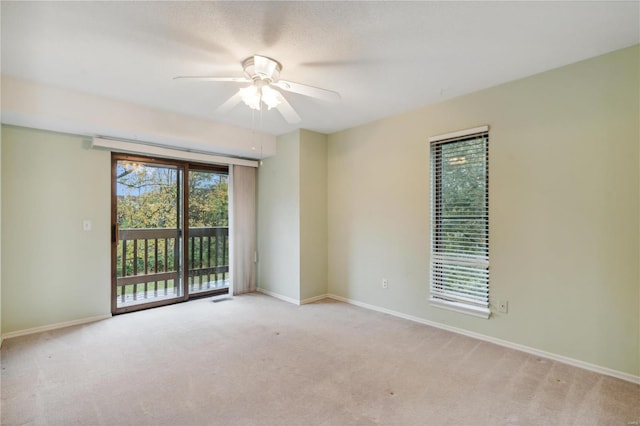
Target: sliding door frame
[{"x": 185, "y": 166}]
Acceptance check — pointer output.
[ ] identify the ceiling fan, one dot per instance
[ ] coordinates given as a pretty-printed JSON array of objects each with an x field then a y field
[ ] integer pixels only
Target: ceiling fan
[{"x": 263, "y": 74}]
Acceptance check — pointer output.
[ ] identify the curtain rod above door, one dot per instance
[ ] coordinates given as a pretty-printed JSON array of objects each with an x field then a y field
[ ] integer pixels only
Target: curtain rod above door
[{"x": 173, "y": 153}]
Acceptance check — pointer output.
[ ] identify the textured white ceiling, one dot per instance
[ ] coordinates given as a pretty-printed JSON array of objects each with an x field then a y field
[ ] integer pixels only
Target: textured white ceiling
[{"x": 383, "y": 57}]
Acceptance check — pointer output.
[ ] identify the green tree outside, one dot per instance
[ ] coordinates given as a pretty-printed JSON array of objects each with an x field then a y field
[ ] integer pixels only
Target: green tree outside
[{"x": 149, "y": 197}]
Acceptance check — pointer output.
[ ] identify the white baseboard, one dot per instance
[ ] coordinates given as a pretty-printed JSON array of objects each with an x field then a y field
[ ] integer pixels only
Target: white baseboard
[
  {"x": 313, "y": 299},
  {"x": 560, "y": 358},
  {"x": 290, "y": 299},
  {"x": 54, "y": 326},
  {"x": 278, "y": 296}
]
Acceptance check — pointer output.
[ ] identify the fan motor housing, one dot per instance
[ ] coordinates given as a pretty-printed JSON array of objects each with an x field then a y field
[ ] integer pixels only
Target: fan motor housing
[{"x": 262, "y": 68}]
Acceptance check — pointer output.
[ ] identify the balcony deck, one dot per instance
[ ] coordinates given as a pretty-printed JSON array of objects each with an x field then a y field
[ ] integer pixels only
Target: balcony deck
[
  {"x": 155, "y": 295},
  {"x": 146, "y": 264}
]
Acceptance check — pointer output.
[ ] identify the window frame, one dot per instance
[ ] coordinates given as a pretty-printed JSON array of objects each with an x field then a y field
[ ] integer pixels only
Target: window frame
[{"x": 436, "y": 299}]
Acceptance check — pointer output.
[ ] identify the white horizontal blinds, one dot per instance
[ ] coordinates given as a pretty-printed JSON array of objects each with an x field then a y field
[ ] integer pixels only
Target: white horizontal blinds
[{"x": 460, "y": 218}]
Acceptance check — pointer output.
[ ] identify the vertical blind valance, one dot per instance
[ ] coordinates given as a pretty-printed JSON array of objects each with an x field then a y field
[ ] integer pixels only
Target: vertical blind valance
[{"x": 460, "y": 218}]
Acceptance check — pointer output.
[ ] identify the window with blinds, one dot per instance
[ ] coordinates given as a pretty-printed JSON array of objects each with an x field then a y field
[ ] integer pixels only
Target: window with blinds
[{"x": 460, "y": 221}]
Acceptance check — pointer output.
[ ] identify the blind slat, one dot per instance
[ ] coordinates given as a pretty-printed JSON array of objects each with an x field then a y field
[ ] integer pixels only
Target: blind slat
[{"x": 460, "y": 219}]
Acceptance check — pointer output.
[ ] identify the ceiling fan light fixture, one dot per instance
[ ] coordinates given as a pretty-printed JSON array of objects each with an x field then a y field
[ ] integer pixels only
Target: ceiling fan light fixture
[
  {"x": 263, "y": 76},
  {"x": 251, "y": 96},
  {"x": 270, "y": 97}
]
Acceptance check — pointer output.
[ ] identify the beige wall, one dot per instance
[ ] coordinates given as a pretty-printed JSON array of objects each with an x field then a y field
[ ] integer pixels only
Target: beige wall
[
  {"x": 29, "y": 104},
  {"x": 279, "y": 219},
  {"x": 52, "y": 270},
  {"x": 313, "y": 214},
  {"x": 0, "y": 239},
  {"x": 292, "y": 217},
  {"x": 564, "y": 205}
]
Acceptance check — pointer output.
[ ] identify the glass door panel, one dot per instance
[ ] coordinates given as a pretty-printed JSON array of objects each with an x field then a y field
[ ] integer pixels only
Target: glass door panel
[
  {"x": 208, "y": 242},
  {"x": 148, "y": 234}
]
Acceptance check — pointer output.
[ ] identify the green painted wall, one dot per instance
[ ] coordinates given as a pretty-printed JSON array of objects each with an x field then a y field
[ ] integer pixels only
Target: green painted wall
[
  {"x": 292, "y": 217},
  {"x": 0, "y": 239},
  {"x": 564, "y": 207},
  {"x": 279, "y": 219},
  {"x": 313, "y": 214},
  {"x": 52, "y": 270}
]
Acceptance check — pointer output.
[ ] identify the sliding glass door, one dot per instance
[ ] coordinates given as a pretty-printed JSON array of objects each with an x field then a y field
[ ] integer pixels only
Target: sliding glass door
[
  {"x": 208, "y": 246},
  {"x": 162, "y": 222}
]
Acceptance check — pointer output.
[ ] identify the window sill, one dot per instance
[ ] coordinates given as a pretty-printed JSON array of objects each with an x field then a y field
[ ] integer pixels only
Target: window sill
[{"x": 462, "y": 308}]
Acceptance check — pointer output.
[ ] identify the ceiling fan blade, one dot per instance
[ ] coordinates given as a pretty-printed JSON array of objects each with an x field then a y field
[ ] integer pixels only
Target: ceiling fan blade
[
  {"x": 229, "y": 103},
  {"x": 287, "y": 110},
  {"x": 341, "y": 63},
  {"x": 205, "y": 78},
  {"x": 306, "y": 90}
]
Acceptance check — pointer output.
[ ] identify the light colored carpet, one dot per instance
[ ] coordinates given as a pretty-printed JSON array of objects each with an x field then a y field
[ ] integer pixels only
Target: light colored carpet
[{"x": 258, "y": 360}]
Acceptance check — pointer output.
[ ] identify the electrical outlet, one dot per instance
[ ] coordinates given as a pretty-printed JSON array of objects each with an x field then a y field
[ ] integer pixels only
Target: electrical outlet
[
  {"x": 385, "y": 283},
  {"x": 503, "y": 306}
]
